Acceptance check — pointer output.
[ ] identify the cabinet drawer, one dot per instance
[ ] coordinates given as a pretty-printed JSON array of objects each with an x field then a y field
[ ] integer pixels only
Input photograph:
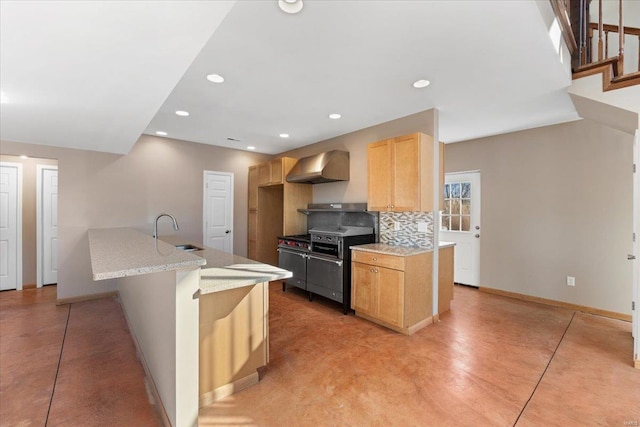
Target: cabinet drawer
[{"x": 382, "y": 260}]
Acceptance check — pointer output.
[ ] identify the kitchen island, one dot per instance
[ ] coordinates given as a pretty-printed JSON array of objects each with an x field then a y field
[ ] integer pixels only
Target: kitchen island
[{"x": 199, "y": 319}]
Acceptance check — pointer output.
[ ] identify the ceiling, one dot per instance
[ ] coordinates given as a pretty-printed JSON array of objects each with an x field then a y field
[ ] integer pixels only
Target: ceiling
[{"x": 95, "y": 75}]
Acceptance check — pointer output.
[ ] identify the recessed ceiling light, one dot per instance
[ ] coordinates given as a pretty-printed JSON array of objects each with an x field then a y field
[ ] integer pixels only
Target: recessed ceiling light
[
  {"x": 161, "y": 133},
  {"x": 421, "y": 83},
  {"x": 215, "y": 78},
  {"x": 182, "y": 113},
  {"x": 24, "y": 157},
  {"x": 284, "y": 135},
  {"x": 251, "y": 147},
  {"x": 334, "y": 116},
  {"x": 3, "y": 98},
  {"x": 290, "y": 6}
]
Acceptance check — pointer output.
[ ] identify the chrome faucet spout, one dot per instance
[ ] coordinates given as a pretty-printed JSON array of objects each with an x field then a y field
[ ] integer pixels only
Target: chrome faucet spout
[{"x": 155, "y": 224}]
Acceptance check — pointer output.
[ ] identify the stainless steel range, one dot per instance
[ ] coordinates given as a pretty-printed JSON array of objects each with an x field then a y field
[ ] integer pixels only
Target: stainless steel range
[{"x": 321, "y": 262}]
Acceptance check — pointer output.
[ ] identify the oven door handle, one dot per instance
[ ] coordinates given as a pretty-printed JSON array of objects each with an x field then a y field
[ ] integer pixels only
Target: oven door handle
[
  {"x": 293, "y": 253},
  {"x": 335, "y": 261}
]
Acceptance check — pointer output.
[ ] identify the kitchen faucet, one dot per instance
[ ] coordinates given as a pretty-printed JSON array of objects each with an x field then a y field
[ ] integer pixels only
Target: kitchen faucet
[{"x": 155, "y": 226}]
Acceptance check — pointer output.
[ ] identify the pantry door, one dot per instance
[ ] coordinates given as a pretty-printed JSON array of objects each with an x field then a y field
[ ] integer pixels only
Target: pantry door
[
  {"x": 10, "y": 226},
  {"x": 460, "y": 223},
  {"x": 218, "y": 211},
  {"x": 47, "y": 226}
]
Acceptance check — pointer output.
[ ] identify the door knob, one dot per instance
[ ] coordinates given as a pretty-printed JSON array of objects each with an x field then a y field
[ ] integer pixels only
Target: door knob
[
  {"x": 228, "y": 231},
  {"x": 477, "y": 236},
  {"x": 631, "y": 257},
  {"x": 477, "y": 227}
]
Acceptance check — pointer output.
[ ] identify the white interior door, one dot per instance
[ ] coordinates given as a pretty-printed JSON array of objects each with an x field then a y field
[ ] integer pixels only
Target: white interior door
[
  {"x": 218, "y": 210},
  {"x": 460, "y": 223},
  {"x": 10, "y": 226},
  {"x": 47, "y": 212},
  {"x": 635, "y": 329}
]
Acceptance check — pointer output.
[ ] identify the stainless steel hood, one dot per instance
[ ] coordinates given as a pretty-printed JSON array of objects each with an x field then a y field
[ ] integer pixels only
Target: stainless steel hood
[{"x": 324, "y": 167}]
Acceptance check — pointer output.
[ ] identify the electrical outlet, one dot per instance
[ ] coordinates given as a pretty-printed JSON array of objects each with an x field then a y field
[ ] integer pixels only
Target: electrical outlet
[
  {"x": 571, "y": 281},
  {"x": 396, "y": 226},
  {"x": 422, "y": 227}
]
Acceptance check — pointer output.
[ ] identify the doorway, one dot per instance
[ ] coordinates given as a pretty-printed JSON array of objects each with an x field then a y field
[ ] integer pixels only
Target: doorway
[
  {"x": 47, "y": 224},
  {"x": 10, "y": 226},
  {"x": 218, "y": 211},
  {"x": 460, "y": 223}
]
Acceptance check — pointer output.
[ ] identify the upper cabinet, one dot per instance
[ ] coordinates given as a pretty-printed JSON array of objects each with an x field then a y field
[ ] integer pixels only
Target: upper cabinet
[
  {"x": 253, "y": 188},
  {"x": 400, "y": 173},
  {"x": 273, "y": 208},
  {"x": 275, "y": 171}
]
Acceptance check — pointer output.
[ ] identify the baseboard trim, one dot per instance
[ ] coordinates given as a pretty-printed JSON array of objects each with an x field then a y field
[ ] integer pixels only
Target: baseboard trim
[
  {"x": 151, "y": 385},
  {"x": 63, "y": 301},
  {"x": 228, "y": 389},
  {"x": 576, "y": 307},
  {"x": 406, "y": 331}
]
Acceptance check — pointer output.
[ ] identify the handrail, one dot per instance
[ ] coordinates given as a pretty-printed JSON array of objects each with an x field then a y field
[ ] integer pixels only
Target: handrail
[
  {"x": 562, "y": 13},
  {"x": 633, "y": 31}
]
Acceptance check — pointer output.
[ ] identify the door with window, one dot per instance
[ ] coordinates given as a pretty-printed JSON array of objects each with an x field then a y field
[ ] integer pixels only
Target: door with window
[{"x": 460, "y": 223}]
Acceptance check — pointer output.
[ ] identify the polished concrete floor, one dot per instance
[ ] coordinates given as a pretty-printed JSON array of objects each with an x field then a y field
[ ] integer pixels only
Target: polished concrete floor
[{"x": 490, "y": 361}]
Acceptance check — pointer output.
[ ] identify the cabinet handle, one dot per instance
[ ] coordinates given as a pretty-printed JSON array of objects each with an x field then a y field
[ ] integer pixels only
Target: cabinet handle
[{"x": 375, "y": 259}]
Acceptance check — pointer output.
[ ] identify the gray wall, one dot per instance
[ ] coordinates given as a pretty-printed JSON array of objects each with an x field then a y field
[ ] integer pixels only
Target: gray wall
[
  {"x": 556, "y": 202},
  {"x": 107, "y": 190}
]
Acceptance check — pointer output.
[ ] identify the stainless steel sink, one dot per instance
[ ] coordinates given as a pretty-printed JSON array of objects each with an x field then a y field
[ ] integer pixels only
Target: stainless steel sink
[{"x": 188, "y": 248}]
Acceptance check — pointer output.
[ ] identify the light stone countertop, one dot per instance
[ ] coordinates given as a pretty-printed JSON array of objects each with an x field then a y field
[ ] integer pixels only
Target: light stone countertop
[
  {"x": 121, "y": 252},
  {"x": 381, "y": 248},
  {"x": 226, "y": 271}
]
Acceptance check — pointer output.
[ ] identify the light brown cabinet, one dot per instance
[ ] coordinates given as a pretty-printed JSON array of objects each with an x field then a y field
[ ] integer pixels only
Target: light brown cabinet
[
  {"x": 273, "y": 172},
  {"x": 400, "y": 174},
  {"x": 396, "y": 292},
  {"x": 273, "y": 208}
]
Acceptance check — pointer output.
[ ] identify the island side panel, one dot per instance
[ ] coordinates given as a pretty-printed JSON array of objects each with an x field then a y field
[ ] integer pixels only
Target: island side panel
[
  {"x": 155, "y": 305},
  {"x": 233, "y": 340}
]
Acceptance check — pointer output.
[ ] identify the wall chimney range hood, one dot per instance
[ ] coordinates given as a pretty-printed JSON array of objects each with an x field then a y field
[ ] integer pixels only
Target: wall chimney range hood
[{"x": 324, "y": 167}]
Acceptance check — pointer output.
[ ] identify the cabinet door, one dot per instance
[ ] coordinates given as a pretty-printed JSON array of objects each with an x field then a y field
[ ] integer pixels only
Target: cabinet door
[
  {"x": 264, "y": 174},
  {"x": 379, "y": 176},
  {"x": 252, "y": 250},
  {"x": 405, "y": 194},
  {"x": 363, "y": 284},
  {"x": 253, "y": 187},
  {"x": 390, "y": 296},
  {"x": 276, "y": 176}
]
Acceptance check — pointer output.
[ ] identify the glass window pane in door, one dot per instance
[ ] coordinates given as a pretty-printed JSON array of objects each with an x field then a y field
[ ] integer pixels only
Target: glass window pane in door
[
  {"x": 465, "y": 190},
  {"x": 455, "y": 223},
  {"x": 465, "y": 224}
]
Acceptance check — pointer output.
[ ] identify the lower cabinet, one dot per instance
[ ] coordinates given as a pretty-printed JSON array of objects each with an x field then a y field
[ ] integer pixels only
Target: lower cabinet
[
  {"x": 396, "y": 291},
  {"x": 378, "y": 292}
]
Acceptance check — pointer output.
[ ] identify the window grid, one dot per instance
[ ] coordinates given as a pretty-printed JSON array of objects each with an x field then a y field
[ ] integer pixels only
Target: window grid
[{"x": 456, "y": 215}]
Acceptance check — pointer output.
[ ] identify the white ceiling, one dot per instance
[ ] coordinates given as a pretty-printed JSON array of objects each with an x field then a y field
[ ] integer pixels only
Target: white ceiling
[{"x": 94, "y": 75}]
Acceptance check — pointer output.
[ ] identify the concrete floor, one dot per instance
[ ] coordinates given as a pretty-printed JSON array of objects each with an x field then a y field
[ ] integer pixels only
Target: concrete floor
[{"x": 491, "y": 361}]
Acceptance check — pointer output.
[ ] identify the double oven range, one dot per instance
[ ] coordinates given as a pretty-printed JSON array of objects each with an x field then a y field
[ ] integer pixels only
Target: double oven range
[{"x": 321, "y": 260}]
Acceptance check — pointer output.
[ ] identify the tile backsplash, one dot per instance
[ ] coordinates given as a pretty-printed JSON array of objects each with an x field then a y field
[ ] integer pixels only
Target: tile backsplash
[{"x": 407, "y": 232}]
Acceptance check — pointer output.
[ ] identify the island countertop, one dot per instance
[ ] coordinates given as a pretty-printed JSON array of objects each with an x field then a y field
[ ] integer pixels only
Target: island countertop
[
  {"x": 226, "y": 271},
  {"x": 122, "y": 252},
  {"x": 381, "y": 248}
]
